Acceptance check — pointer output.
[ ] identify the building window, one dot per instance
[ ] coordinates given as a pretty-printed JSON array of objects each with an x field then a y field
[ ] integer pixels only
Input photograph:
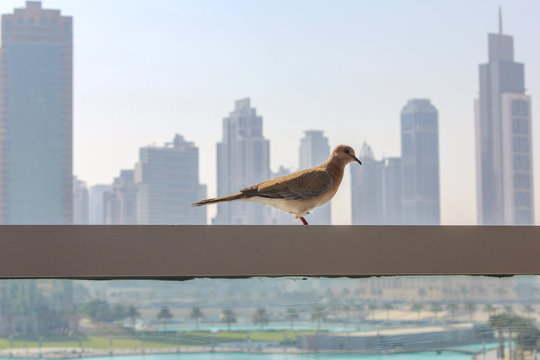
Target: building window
[
  {"x": 523, "y": 217},
  {"x": 520, "y": 126},
  {"x": 521, "y": 144},
  {"x": 521, "y": 163},
  {"x": 522, "y": 199},
  {"x": 522, "y": 181}
]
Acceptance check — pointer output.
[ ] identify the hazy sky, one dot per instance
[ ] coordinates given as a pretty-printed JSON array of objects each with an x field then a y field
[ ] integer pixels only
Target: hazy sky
[{"x": 145, "y": 70}]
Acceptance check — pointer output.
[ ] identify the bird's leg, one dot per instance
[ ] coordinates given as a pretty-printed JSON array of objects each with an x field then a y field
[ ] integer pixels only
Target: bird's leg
[{"x": 303, "y": 220}]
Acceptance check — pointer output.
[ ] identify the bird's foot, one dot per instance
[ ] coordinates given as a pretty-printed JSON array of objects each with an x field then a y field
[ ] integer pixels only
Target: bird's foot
[{"x": 303, "y": 220}]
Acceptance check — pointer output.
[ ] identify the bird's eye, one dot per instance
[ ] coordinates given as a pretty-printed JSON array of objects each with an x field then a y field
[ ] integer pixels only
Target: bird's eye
[{"x": 347, "y": 151}]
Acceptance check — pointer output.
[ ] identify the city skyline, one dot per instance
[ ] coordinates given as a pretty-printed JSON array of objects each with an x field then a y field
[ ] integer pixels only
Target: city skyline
[{"x": 356, "y": 99}]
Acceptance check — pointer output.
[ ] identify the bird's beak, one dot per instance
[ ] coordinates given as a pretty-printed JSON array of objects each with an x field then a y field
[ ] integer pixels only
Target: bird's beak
[{"x": 355, "y": 159}]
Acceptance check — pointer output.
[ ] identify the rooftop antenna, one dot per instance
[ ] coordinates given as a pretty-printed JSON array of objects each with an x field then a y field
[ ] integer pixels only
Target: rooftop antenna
[{"x": 500, "y": 20}]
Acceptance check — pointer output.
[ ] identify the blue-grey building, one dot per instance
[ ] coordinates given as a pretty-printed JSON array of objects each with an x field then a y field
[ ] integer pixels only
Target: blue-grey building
[
  {"x": 367, "y": 189},
  {"x": 120, "y": 200},
  {"x": 505, "y": 191},
  {"x": 391, "y": 178},
  {"x": 314, "y": 150},
  {"x": 36, "y": 117},
  {"x": 420, "y": 163},
  {"x": 243, "y": 159},
  {"x": 167, "y": 181},
  {"x": 376, "y": 190}
]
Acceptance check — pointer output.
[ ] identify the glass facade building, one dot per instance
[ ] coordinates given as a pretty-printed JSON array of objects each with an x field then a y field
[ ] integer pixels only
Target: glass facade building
[
  {"x": 36, "y": 117},
  {"x": 167, "y": 181},
  {"x": 505, "y": 193},
  {"x": 314, "y": 150},
  {"x": 243, "y": 159},
  {"x": 420, "y": 163}
]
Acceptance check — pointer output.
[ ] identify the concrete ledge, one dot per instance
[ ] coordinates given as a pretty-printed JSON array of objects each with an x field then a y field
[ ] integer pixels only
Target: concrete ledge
[{"x": 241, "y": 251}]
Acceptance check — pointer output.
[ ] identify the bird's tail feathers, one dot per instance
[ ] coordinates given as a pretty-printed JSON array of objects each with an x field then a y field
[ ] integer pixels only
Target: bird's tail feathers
[{"x": 220, "y": 199}]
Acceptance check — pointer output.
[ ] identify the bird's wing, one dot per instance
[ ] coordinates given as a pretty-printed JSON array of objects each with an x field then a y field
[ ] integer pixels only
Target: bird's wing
[{"x": 302, "y": 185}]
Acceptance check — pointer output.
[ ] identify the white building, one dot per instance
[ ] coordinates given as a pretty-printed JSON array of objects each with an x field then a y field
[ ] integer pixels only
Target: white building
[
  {"x": 95, "y": 204},
  {"x": 80, "y": 202},
  {"x": 243, "y": 159},
  {"x": 314, "y": 150},
  {"x": 167, "y": 181},
  {"x": 503, "y": 138}
]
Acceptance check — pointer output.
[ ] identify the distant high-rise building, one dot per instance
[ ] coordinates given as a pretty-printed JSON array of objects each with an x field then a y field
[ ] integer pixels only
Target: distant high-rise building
[
  {"x": 80, "y": 202},
  {"x": 167, "y": 180},
  {"x": 376, "y": 190},
  {"x": 503, "y": 138},
  {"x": 243, "y": 159},
  {"x": 420, "y": 163},
  {"x": 314, "y": 150},
  {"x": 280, "y": 217},
  {"x": 367, "y": 189},
  {"x": 36, "y": 117},
  {"x": 391, "y": 178},
  {"x": 95, "y": 204},
  {"x": 120, "y": 200}
]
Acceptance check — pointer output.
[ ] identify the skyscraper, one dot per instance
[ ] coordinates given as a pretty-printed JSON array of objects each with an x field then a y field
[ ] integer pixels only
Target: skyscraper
[
  {"x": 95, "y": 204},
  {"x": 367, "y": 189},
  {"x": 503, "y": 138},
  {"x": 392, "y": 191},
  {"x": 80, "y": 202},
  {"x": 167, "y": 180},
  {"x": 420, "y": 163},
  {"x": 243, "y": 159},
  {"x": 120, "y": 200},
  {"x": 36, "y": 117},
  {"x": 277, "y": 216},
  {"x": 314, "y": 150}
]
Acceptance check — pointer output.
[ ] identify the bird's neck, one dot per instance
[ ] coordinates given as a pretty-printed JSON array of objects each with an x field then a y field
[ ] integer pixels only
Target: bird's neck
[{"x": 336, "y": 170}]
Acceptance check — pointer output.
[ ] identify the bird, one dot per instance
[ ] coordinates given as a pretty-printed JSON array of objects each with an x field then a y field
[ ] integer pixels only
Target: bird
[{"x": 300, "y": 192}]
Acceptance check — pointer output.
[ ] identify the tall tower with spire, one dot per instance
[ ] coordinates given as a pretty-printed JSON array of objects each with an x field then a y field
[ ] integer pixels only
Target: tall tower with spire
[{"x": 503, "y": 137}]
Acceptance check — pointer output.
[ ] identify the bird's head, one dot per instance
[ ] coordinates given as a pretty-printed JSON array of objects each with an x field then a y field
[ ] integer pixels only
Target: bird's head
[{"x": 344, "y": 154}]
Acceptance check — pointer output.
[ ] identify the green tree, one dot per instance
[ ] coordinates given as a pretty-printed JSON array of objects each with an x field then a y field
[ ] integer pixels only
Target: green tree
[
  {"x": 417, "y": 307},
  {"x": 347, "y": 310},
  {"x": 452, "y": 309},
  {"x": 260, "y": 317},
  {"x": 359, "y": 308},
  {"x": 527, "y": 334},
  {"x": 98, "y": 310},
  {"x": 133, "y": 314},
  {"x": 318, "y": 313},
  {"x": 228, "y": 317},
  {"x": 528, "y": 309},
  {"x": 489, "y": 308},
  {"x": 372, "y": 307},
  {"x": 499, "y": 322},
  {"x": 118, "y": 312},
  {"x": 387, "y": 306},
  {"x": 436, "y": 308},
  {"x": 197, "y": 315},
  {"x": 470, "y": 308},
  {"x": 291, "y": 315},
  {"x": 164, "y": 316},
  {"x": 422, "y": 293}
]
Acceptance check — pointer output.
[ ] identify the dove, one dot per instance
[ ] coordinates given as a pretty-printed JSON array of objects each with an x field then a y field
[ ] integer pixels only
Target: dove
[{"x": 300, "y": 192}]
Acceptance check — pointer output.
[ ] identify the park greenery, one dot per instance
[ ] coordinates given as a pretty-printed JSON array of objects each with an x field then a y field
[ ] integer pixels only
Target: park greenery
[{"x": 32, "y": 317}]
